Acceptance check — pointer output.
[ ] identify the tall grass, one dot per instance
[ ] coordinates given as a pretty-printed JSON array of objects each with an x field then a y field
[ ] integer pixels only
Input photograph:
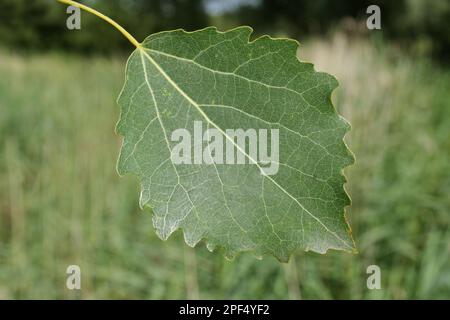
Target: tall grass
[{"x": 62, "y": 202}]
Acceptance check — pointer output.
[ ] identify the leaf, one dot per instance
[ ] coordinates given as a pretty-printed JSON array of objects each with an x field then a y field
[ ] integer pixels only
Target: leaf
[{"x": 227, "y": 82}]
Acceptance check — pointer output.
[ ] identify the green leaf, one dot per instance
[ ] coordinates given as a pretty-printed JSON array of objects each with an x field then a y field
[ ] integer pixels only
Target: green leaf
[{"x": 227, "y": 82}]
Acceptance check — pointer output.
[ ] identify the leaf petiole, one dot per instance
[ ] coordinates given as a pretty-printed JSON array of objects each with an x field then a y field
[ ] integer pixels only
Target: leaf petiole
[{"x": 107, "y": 19}]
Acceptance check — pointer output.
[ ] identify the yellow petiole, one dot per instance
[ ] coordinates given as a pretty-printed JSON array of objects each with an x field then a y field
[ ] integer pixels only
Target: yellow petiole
[{"x": 107, "y": 19}]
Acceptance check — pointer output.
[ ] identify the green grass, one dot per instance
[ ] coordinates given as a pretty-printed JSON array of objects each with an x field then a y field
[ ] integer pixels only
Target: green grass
[{"x": 62, "y": 202}]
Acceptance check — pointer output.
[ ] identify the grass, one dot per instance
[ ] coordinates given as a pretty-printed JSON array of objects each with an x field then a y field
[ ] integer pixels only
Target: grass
[{"x": 62, "y": 202}]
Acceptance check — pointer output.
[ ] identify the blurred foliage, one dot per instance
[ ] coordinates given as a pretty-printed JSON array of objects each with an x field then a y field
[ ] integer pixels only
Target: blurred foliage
[
  {"x": 422, "y": 26},
  {"x": 62, "y": 202},
  {"x": 41, "y": 24}
]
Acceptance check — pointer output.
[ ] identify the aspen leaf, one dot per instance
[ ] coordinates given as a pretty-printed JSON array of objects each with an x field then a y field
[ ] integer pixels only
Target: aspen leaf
[{"x": 223, "y": 80}]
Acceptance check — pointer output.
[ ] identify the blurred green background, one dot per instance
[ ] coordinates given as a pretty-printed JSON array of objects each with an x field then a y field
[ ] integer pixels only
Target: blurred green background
[{"x": 62, "y": 202}]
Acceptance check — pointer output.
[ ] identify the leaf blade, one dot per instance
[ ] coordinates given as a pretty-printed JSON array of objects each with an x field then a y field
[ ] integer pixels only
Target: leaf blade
[{"x": 180, "y": 68}]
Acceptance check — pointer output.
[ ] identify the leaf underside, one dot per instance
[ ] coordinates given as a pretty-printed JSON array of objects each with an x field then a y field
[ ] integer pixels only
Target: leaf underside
[{"x": 225, "y": 81}]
